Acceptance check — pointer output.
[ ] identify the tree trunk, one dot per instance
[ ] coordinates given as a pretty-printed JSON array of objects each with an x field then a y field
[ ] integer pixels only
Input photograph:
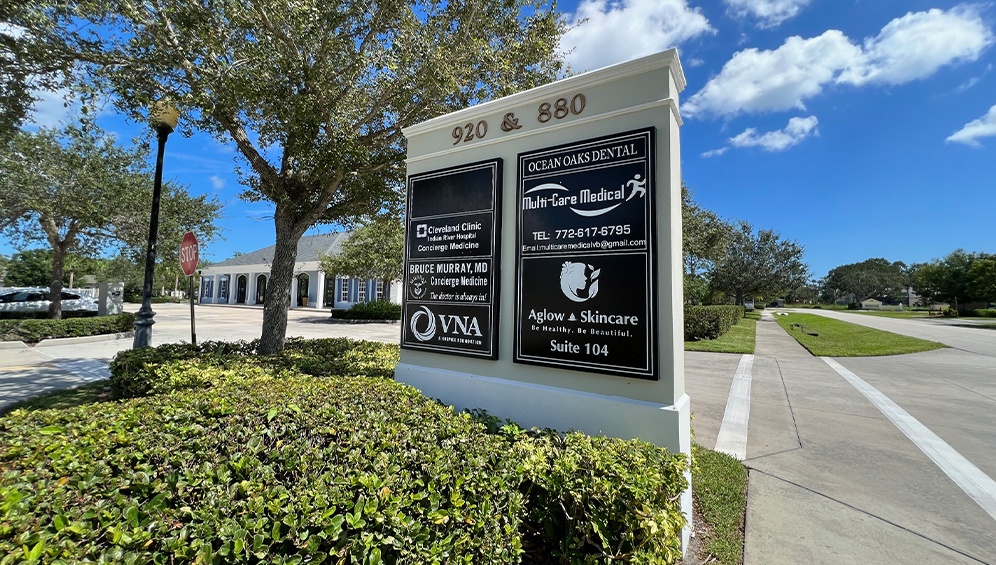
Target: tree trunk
[
  {"x": 278, "y": 287},
  {"x": 55, "y": 286}
]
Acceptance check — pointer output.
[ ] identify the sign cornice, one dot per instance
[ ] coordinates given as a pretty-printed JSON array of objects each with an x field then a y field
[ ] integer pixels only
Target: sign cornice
[{"x": 667, "y": 59}]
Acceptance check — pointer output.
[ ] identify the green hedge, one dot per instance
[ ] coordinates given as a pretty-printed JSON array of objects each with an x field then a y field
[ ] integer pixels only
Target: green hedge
[
  {"x": 378, "y": 310},
  {"x": 277, "y": 469},
  {"x": 44, "y": 315},
  {"x": 562, "y": 499},
  {"x": 139, "y": 372},
  {"x": 33, "y": 331},
  {"x": 980, "y": 313},
  {"x": 710, "y": 322}
]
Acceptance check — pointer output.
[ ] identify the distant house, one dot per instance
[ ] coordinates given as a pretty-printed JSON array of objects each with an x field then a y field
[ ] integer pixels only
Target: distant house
[
  {"x": 871, "y": 304},
  {"x": 243, "y": 278}
]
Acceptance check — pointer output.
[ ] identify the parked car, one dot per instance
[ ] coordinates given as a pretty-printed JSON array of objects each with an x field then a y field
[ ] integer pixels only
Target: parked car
[
  {"x": 35, "y": 301},
  {"x": 749, "y": 305}
]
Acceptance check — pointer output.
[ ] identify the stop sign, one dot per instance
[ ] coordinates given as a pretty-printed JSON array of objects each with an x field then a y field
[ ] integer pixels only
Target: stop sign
[{"x": 188, "y": 254}]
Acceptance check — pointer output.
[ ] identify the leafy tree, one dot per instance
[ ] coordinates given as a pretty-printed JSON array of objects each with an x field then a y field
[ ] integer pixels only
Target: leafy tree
[
  {"x": 33, "y": 267},
  {"x": 314, "y": 93},
  {"x": 704, "y": 236},
  {"x": 956, "y": 278},
  {"x": 983, "y": 275},
  {"x": 374, "y": 251},
  {"x": 78, "y": 191},
  {"x": 868, "y": 279},
  {"x": 29, "y": 64},
  {"x": 758, "y": 264}
]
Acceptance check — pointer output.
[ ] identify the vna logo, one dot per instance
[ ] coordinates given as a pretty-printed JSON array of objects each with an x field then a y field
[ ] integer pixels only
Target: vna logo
[{"x": 423, "y": 324}]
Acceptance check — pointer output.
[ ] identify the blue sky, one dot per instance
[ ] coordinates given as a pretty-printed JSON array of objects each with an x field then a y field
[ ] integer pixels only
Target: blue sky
[{"x": 859, "y": 128}]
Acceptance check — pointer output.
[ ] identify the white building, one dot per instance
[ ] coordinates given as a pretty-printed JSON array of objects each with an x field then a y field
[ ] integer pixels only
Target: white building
[{"x": 243, "y": 278}]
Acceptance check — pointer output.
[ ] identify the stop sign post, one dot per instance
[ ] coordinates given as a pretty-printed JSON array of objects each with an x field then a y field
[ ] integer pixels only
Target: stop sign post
[{"x": 189, "y": 255}]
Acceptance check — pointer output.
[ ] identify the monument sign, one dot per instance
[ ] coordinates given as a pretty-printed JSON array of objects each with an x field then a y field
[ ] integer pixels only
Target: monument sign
[{"x": 573, "y": 319}]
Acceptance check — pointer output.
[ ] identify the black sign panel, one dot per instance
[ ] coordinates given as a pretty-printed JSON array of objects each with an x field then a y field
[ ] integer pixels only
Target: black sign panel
[
  {"x": 585, "y": 261},
  {"x": 451, "y": 260}
]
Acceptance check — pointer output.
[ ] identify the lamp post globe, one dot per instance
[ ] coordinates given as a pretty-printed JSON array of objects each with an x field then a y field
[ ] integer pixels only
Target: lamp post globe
[{"x": 163, "y": 118}]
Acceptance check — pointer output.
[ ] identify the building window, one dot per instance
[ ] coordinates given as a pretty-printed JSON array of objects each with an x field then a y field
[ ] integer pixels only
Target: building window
[
  {"x": 361, "y": 291},
  {"x": 343, "y": 290},
  {"x": 380, "y": 290},
  {"x": 208, "y": 287}
]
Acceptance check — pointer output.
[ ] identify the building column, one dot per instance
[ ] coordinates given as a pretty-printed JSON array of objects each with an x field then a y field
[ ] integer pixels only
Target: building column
[
  {"x": 293, "y": 292},
  {"x": 233, "y": 288},
  {"x": 251, "y": 289},
  {"x": 320, "y": 299}
]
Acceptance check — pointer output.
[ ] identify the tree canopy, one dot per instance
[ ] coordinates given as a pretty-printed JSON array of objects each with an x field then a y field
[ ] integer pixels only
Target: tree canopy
[
  {"x": 958, "y": 278},
  {"x": 76, "y": 190},
  {"x": 373, "y": 251},
  {"x": 704, "y": 235},
  {"x": 760, "y": 263},
  {"x": 871, "y": 278},
  {"x": 313, "y": 93}
]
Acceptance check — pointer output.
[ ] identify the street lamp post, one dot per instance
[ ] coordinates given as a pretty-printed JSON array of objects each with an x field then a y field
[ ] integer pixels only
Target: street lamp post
[{"x": 164, "y": 118}]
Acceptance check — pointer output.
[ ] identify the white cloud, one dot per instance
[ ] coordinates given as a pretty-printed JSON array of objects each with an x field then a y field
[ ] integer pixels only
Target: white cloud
[
  {"x": 617, "y": 31},
  {"x": 758, "y": 81},
  {"x": 217, "y": 182},
  {"x": 797, "y": 130},
  {"x": 51, "y": 108},
  {"x": 769, "y": 12},
  {"x": 715, "y": 152},
  {"x": 975, "y": 129},
  {"x": 908, "y": 48},
  {"x": 916, "y": 45}
]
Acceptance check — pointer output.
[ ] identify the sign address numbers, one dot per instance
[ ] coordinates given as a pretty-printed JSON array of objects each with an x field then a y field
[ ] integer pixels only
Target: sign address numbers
[{"x": 545, "y": 112}]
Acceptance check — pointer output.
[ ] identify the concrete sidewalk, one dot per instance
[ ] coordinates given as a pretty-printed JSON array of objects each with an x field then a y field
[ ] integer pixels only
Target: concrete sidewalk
[{"x": 832, "y": 480}]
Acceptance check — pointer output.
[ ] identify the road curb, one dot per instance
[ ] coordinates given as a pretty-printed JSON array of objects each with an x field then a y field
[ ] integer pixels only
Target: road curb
[
  {"x": 12, "y": 345},
  {"x": 85, "y": 339}
]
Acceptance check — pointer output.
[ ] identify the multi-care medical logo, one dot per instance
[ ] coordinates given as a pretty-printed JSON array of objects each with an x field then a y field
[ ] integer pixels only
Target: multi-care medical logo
[
  {"x": 424, "y": 327},
  {"x": 550, "y": 195}
]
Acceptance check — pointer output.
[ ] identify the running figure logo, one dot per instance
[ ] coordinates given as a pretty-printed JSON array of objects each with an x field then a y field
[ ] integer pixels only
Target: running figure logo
[{"x": 579, "y": 281}]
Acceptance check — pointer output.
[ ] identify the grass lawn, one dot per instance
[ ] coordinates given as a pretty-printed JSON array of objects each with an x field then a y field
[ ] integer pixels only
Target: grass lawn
[
  {"x": 740, "y": 338},
  {"x": 892, "y": 314},
  {"x": 719, "y": 490},
  {"x": 842, "y": 339}
]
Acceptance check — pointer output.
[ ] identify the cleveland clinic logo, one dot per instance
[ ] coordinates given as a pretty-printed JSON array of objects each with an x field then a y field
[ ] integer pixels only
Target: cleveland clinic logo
[{"x": 579, "y": 281}]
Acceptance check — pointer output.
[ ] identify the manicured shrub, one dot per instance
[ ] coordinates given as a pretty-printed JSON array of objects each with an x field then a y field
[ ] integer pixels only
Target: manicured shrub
[
  {"x": 33, "y": 331},
  {"x": 980, "y": 313},
  {"x": 140, "y": 372},
  {"x": 600, "y": 500},
  {"x": 710, "y": 322},
  {"x": 378, "y": 310},
  {"x": 595, "y": 499},
  {"x": 259, "y": 468}
]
